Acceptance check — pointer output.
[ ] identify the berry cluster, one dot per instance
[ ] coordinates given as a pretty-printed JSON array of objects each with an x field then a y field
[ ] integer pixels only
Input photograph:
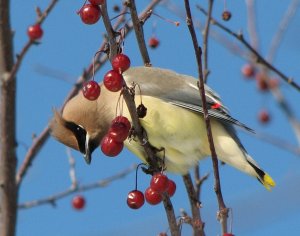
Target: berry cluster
[
  {"x": 159, "y": 185},
  {"x": 113, "y": 79},
  {"x": 113, "y": 142},
  {"x": 263, "y": 83},
  {"x": 90, "y": 13}
]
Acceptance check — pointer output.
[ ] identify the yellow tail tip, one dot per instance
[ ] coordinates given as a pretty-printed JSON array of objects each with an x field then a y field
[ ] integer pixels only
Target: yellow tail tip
[{"x": 268, "y": 182}]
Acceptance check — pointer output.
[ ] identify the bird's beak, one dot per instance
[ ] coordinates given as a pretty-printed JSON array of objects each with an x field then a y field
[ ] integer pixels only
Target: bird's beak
[{"x": 88, "y": 154}]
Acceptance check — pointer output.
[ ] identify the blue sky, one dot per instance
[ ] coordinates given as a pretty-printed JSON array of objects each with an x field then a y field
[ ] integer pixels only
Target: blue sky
[{"x": 68, "y": 47}]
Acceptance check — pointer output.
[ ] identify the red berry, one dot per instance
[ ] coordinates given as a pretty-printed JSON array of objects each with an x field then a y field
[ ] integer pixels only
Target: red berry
[
  {"x": 171, "y": 188},
  {"x": 248, "y": 70},
  {"x": 226, "y": 15},
  {"x": 118, "y": 131},
  {"x": 123, "y": 120},
  {"x": 153, "y": 42},
  {"x": 120, "y": 63},
  {"x": 152, "y": 197},
  {"x": 135, "y": 199},
  {"x": 113, "y": 81},
  {"x": 96, "y": 2},
  {"x": 35, "y": 32},
  {"x": 111, "y": 147},
  {"x": 159, "y": 182},
  {"x": 261, "y": 82},
  {"x": 90, "y": 14},
  {"x": 264, "y": 116},
  {"x": 78, "y": 202},
  {"x": 162, "y": 234},
  {"x": 91, "y": 90}
]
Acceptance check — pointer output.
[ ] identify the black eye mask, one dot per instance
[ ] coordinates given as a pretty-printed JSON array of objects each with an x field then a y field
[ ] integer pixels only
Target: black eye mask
[{"x": 80, "y": 134}]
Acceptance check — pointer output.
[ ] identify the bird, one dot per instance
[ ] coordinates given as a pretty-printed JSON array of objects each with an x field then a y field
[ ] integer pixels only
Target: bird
[{"x": 174, "y": 122}]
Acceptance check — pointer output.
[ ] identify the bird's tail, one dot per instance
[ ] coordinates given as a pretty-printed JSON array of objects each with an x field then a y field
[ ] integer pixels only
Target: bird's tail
[{"x": 263, "y": 177}]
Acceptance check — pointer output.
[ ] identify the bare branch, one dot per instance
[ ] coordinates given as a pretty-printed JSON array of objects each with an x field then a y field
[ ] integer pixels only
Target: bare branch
[
  {"x": 80, "y": 188},
  {"x": 113, "y": 50},
  {"x": 72, "y": 170},
  {"x": 198, "y": 224},
  {"x": 277, "y": 142},
  {"x": 251, "y": 20},
  {"x": 223, "y": 211},
  {"x": 259, "y": 58},
  {"x": 288, "y": 16},
  {"x": 139, "y": 33},
  {"x": 205, "y": 41},
  {"x": 21, "y": 55},
  {"x": 199, "y": 180}
]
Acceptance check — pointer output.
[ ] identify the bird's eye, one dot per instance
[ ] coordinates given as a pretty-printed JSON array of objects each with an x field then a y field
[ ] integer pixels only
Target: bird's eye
[{"x": 80, "y": 134}]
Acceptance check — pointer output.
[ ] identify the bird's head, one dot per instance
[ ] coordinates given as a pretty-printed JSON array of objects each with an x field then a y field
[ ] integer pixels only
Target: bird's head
[{"x": 82, "y": 124}]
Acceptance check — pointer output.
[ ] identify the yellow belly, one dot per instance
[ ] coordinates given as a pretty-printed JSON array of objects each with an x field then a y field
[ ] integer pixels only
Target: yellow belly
[{"x": 179, "y": 131}]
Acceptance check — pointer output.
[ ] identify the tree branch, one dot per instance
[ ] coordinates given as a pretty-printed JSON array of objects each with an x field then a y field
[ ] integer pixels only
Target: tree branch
[
  {"x": 8, "y": 158},
  {"x": 21, "y": 55},
  {"x": 290, "y": 12},
  {"x": 139, "y": 32},
  {"x": 205, "y": 41},
  {"x": 259, "y": 58},
  {"x": 251, "y": 21},
  {"x": 197, "y": 223},
  {"x": 223, "y": 211},
  {"x": 78, "y": 188}
]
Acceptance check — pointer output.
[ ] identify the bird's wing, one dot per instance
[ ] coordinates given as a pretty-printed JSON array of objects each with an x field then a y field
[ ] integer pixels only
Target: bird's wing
[{"x": 180, "y": 90}]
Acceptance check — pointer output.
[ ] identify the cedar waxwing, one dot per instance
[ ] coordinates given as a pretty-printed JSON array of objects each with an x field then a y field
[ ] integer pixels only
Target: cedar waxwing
[{"x": 174, "y": 121}]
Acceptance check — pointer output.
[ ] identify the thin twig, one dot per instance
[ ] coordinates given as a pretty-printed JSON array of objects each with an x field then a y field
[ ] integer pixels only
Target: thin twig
[
  {"x": 199, "y": 180},
  {"x": 276, "y": 91},
  {"x": 277, "y": 142},
  {"x": 223, "y": 211},
  {"x": 251, "y": 20},
  {"x": 113, "y": 46},
  {"x": 205, "y": 41},
  {"x": 288, "y": 16},
  {"x": 233, "y": 47},
  {"x": 174, "y": 229},
  {"x": 287, "y": 110},
  {"x": 197, "y": 186},
  {"x": 198, "y": 224},
  {"x": 80, "y": 188},
  {"x": 139, "y": 32},
  {"x": 72, "y": 170},
  {"x": 24, "y": 50},
  {"x": 259, "y": 58}
]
